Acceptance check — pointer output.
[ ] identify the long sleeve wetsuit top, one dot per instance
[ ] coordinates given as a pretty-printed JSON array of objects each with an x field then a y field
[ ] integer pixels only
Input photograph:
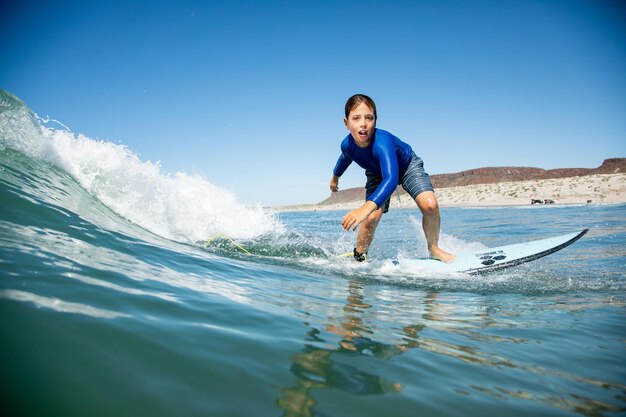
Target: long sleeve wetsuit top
[{"x": 386, "y": 156}]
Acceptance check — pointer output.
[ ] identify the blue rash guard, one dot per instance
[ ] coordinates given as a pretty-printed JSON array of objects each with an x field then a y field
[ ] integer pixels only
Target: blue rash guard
[{"x": 386, "y": 156}]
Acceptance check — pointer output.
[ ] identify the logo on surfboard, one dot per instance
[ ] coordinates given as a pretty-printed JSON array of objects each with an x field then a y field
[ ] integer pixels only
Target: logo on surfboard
[{"x": 490, "y": 258}]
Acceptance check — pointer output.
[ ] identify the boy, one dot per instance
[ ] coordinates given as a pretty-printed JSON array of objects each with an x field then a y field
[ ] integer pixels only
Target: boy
[{"x": 387, "y": 162}]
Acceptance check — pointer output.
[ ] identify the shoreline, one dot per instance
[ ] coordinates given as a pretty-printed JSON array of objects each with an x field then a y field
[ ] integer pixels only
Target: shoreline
[
  {"x": 596, "y": 189},
  {"x": 313, "y": 208}
]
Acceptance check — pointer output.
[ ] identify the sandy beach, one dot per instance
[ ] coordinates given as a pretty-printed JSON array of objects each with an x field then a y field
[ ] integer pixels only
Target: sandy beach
[{"x": 589, "y": 189}]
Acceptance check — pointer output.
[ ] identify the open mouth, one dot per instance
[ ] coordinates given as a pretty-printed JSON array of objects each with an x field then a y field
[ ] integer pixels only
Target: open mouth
[{"x": 362, "y": 132}]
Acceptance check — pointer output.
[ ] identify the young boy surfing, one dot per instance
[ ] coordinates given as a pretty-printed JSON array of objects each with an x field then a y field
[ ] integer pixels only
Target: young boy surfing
[{"x": 387, "y": 162}]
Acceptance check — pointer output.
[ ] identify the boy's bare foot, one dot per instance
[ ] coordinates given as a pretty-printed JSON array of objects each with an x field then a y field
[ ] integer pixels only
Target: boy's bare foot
[{"x": 441, "y": 255}]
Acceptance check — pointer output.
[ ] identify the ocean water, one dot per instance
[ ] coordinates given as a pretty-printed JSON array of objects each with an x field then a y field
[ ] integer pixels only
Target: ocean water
[{"x": 128, "y": 291}]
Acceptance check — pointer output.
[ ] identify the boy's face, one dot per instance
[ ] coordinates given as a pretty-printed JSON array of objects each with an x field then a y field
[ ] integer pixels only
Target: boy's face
[{"x": 361, "y": 123}]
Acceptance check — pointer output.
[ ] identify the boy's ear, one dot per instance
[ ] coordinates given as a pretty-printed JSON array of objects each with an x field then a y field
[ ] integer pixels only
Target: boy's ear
[{"x": 345, "y": 122}]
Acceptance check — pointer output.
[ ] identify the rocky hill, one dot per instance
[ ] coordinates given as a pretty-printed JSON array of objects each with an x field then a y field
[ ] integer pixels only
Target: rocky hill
[{"x": 492, "y": 175}]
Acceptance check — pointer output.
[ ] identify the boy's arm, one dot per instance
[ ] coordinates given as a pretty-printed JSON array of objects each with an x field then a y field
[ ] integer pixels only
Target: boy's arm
[
  {"x": 340, "y": 167},
  {"x": 342, "y": 164},
  {"x": 385, "y": 153},
  {"x": 389, "y": 170}
]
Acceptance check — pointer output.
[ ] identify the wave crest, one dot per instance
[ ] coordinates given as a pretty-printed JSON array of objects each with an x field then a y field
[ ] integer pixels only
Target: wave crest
[{"x": 182, "y": 207}]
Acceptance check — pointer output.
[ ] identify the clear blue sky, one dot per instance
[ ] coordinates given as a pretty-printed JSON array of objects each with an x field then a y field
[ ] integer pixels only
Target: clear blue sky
[{"x": 250, "y": 94}]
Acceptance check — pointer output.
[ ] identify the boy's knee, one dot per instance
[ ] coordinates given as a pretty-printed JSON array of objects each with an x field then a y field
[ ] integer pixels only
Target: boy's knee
[{"x": 429, "y": 205}]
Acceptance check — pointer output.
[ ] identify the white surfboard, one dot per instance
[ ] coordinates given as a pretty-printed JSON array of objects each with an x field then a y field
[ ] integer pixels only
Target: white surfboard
[{"x": 495, "y": 259}]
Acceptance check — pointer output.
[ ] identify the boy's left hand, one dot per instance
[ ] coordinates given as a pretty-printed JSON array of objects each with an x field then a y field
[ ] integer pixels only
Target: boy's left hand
[{"x": 356, "y": 217}]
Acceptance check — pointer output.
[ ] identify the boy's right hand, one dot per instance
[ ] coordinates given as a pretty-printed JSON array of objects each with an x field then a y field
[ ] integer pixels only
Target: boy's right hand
[{"x": 334, "y": 184}]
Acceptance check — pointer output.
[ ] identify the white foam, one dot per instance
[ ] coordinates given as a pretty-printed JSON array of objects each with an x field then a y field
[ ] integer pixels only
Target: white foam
[
  {"x": 182, "y": 207},
  {"x": 447, "y": 242}
]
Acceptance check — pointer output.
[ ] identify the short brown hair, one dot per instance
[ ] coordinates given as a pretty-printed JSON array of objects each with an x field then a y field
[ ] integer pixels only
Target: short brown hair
[{"x": 357, "y": 99}]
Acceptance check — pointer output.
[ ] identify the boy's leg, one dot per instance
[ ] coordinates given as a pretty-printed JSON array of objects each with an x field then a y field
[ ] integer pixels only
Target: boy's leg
[
  {"x": 427, "y": 203},
  {"x": 417, "y": 183},
  {"x": 366, "y": 231},
  {"x": 368, "y": 227}
]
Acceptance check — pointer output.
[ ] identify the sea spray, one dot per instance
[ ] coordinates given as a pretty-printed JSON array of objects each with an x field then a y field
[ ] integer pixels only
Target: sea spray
[{"x": 182, "y": 207}]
